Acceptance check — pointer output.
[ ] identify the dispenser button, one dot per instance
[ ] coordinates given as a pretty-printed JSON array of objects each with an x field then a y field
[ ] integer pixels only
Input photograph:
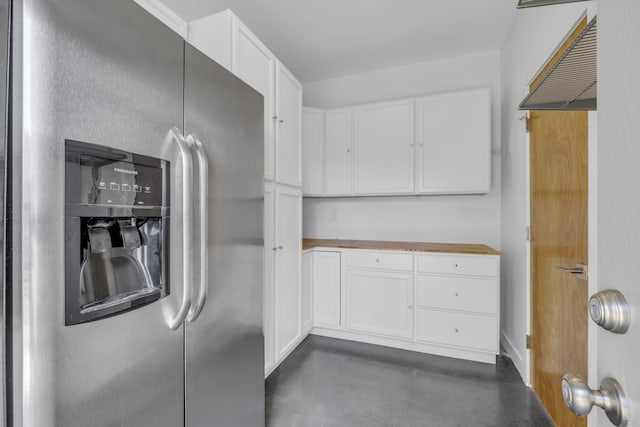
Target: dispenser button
[
  {"x": 126, "y": 187},
  {"x": 147, "y": 189},
  {"x": 137, "y": 188},
  {"x": 114, "y": 186}
]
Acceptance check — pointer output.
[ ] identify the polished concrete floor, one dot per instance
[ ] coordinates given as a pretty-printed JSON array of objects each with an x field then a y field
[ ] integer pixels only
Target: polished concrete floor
[{"x": 334, "y": 383}]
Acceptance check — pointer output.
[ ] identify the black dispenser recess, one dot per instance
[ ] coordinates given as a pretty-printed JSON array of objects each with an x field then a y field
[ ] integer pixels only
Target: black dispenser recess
[{"x": 116, "y": 231}]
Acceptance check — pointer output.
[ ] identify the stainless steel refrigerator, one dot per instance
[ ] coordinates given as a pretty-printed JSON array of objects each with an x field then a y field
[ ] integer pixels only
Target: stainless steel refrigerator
[{"x": 132, "y": 225}]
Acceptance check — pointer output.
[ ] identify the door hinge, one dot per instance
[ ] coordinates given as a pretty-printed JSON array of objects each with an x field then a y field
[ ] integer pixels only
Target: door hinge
[
  {"x": 526, "y": 122},
  {"x": 528, "y": 233},
  {"x": 528, "y": 342}
]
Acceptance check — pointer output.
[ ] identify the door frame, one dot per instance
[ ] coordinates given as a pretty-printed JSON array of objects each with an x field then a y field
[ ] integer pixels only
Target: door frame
[
  {"x": 592, "y": 219},
  {"x": 592, "y": 333}
]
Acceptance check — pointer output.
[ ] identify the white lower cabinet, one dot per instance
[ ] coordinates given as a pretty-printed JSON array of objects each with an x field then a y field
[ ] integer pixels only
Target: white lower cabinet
[
  {"x": 379, "y": 302},
  {"x": 288, "y": 319},
  {"x": 457, "y": 329},
  {"x": 445, "y": 304},
  {"x": 307, "y": 296},
  {"x": 287, "y": 298},
  {"x": 325, "y": 283}
]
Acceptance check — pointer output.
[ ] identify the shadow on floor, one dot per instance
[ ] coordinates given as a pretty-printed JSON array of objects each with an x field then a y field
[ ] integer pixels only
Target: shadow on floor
[{"x": 335, "y": 383}]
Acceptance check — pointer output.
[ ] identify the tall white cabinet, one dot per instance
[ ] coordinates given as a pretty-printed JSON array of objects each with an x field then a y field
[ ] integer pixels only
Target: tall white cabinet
[{"x": 227, "y": 40}]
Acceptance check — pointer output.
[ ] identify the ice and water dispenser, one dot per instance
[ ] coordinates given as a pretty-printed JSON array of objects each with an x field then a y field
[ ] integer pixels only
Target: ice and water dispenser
[{"x": 116, "y": 231}]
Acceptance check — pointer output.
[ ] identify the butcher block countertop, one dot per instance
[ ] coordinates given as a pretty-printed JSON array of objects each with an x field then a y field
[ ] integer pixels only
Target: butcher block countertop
[{"x": 457, "y": 248}]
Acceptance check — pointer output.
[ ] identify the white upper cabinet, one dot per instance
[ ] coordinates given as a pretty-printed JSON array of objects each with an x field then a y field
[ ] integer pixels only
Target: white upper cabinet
[
  {"x": 252, "y": 62},
  {"x": 338, "y": 148},
  {"x": 288, "y": 127},
  {"x": 312, "y": 151},
  {"x": 384, "y": 148},
  {"x": 228, "y": 41},
  {"x": 211, "y": 35},
  {"x": 454, "y": 143}
]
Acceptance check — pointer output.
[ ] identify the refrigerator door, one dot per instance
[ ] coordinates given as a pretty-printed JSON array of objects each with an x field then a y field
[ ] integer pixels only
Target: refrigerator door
[
  {"x": 107, "y": 73},
  {"x": 224, "y": 344},
  {"x": 4, "y": 64}
]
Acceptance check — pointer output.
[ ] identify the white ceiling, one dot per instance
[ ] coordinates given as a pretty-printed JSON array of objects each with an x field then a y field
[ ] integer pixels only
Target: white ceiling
[{"x": 321, "y": 39}]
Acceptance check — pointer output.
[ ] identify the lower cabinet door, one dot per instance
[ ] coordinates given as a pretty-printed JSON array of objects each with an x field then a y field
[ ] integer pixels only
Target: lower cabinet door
[
  {"x": 269, "y": 278},
  {"x": 379, "y": 302},
  {"x": 307, "y": 284},
  {"x": 288, "y": 250},
  {"x": 326, "y": 289}
]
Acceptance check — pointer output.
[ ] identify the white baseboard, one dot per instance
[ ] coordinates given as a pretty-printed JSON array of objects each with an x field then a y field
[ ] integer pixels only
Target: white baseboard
[
  {"x": 458, "y": 353},
  {"x": 516, "y": 356}
]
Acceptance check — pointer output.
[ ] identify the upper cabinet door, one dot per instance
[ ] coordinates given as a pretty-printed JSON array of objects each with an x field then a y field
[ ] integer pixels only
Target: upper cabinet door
[
  {"x": 288, "y": 128},
  {"x": 384, "y": 148},
  {"x": 338, "y": 148},
  {"x": 454, "y": 143},
  {"x": 312, "y": 151},
  {"x": 211, "y": 35},
  {"x": 255, "y": 65}
]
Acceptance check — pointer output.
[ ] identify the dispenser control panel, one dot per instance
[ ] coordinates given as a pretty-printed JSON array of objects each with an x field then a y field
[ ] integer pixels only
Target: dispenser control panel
[{"x": 111, "y": 178}]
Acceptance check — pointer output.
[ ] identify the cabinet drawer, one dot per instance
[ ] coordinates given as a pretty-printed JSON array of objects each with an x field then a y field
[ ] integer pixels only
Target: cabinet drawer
[
  {"x": 459, "y": 264},
  {"x": 367, "y": 259},
  {"x": 458, "y": 293},
  {"x": 463, "y": 330}
]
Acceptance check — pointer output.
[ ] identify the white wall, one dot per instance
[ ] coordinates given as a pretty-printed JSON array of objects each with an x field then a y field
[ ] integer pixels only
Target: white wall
[
  {"x": 533, "y": 37},
  {"x": 457, "y": 219}
]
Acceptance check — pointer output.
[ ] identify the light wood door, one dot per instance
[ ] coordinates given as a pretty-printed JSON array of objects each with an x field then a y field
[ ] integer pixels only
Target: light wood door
[
  {"x": 384, "y": 148},
  {"x": 454, "y": 143},
  {"x": 326, "y": 289},
  {"x": 338, "y": 143},
  {"x": 288, "y": 128},
  {"x": 288, "y": 246},
  {"x": 312, "y": 151},
  {"x": 379, "y": 302},
  {"x": 255, "y": 65},
  {"x": 559, "y": 194}
]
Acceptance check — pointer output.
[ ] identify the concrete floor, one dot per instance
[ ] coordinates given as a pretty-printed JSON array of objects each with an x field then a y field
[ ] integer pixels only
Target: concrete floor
[{"x": 335, "y": 383}]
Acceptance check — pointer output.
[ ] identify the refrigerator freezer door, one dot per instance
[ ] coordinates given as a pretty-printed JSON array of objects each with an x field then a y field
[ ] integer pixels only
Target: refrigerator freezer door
[
  {"x": 224, "y": 345},
  {"x": 104, "y": 72}
]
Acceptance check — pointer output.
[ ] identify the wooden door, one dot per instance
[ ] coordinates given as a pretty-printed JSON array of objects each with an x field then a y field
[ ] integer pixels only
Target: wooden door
[
  {"x": 383, "y": 148},
  {"x": 559, "y": 178},
  {"x": 288, "y": 128}
]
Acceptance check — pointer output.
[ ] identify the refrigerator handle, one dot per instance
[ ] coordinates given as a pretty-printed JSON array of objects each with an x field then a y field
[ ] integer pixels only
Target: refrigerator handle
[
  {"x": 187, "y": 229},
  {"x": 203, "y": 167}
]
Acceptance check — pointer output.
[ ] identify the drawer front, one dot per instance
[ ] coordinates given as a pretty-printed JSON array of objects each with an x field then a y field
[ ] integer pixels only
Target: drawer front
[
  {"x": 458, "y": 264},
  {"x": 456, "y": 329},
  {"x": 458, "y": 293},
  {"x": 368, "y": 259}
]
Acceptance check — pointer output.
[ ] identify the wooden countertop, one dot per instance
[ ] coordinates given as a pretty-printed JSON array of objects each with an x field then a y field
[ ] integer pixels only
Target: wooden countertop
[{"x": 458, "y": 248}]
